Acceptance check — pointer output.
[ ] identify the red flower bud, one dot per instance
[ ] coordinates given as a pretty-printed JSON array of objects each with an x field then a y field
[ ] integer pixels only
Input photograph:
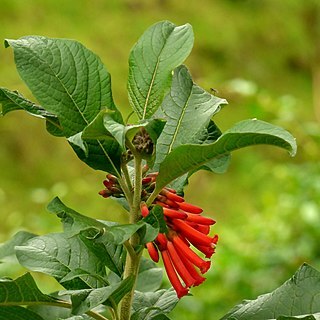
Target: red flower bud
[
  {"x": 200, "y": 219},
  {"x": 144, "y": 209},
  {"x": 172, "y": 196}
]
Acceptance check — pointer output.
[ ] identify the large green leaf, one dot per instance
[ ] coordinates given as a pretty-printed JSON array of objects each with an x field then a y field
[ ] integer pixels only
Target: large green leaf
[
  {"x": 18, "y": 313},
  {"x": 22, "y": 291},
  {"x": 187, "y": 110},
  {"x": 7, "y": 248},
  {"x": 67, "y": 79},
  {"x": 57, "y": 254},
  {"x": 149, "y": 277},
  {"x": 188, "y": 158},
  {"x": 150, "y": 305},
  {"x": 70, "y": 82},
  {"x": 163, "y": 47},
  {"x": 299, "y": 296},
  {"x": 108, "y": 253}
]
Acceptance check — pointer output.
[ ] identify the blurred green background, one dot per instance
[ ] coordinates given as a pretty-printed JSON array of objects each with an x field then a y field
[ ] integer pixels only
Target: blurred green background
[{"x": 263, "y": 56}]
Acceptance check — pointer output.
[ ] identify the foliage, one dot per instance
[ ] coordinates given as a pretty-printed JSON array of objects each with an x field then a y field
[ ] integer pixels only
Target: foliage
[{"x": 77, "y": 104}]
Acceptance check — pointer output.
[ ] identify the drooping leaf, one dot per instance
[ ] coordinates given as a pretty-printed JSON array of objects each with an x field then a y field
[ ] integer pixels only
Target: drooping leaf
[
  {"x": 7, "y": 248},
  {"x": 297, "y": 296},
  {"x": 187, "y": 110},
  {"x": 18, "y": 313},
  {"x": 150, "y": 305},
  {"x": 22, "y": 290},
  {"x": 149, "y": 277},
  {"x": 160, "y": 49},
  {"x": 57, "y": 254},
  {"x": 188, "y": 158},
  {"x": 72, "y": 221}
]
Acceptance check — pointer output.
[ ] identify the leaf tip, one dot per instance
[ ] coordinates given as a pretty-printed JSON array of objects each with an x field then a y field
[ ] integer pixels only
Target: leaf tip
[{"x": 7, "y": 43}]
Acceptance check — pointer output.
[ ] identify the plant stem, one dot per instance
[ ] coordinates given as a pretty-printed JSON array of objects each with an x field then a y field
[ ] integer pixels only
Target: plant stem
[{"x": 133, "y": 257}]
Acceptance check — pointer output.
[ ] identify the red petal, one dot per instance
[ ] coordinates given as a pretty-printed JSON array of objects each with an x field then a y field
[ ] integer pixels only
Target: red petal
[
  {"x": 190, "y": 207},
  {"x": 174, "y": 214},
  {"x": 172, "y": 196},
  {"x": 200, "y": 219},
  {"x": 190, "y": 255},
  {"x": 179, "y": 266},
  {"x": 144, "y": 209},
  {"x": 193, "y": 235},
  {"x": 172, "y": 275}
]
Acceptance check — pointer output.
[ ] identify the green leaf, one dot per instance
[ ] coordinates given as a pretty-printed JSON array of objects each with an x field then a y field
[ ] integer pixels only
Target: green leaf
[
  {"x": 155, "y": 223},
  {"x": 102, "y": 155},
  {"x": 67, "y": 79},
  {"x": 70, "y": 82},
  {"x": 18, "y": 313},
  {"x": 149, "y": 277},
  {"x": 72, "y": 221},
  {"x": 23, "y": 291},
  {"x": 163, "y": 47},
  {"x": 57, "y": 254},
  {"x": 187, "y": 110},
  {"x": 13, "y": 100},
  {"x": 7, "y": 248},
  {"x": 188, "y": 158},
  {"x": 150, "y": 305},
  {"x": 87, "y": 299},
  {"x": 297, "y": 296}
]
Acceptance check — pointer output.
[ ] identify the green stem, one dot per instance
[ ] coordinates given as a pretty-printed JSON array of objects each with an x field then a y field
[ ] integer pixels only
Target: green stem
[
  {"x": 133, "y": 257},
  {"x": 126, "y": 175},
  {"x": 152, "y": 196}
]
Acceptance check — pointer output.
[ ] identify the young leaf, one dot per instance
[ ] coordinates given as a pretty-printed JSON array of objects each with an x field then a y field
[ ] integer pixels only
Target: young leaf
[
  {"x": 67, "y": 79},
  {"x": 297, "y": 296},
  {"x": 161, "y": 48},
  {"x": 150, "y": 305},
  {"x": 57, "y": 254},
  {"x": 243, "y": 134},
  {"x": 187, "y": 110}
]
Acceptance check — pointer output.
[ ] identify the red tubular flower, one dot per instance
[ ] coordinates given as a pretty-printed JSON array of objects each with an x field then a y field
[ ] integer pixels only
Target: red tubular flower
[
  {"x": 190, "y": 207},
  {"x": 187, "y": 229},
  {"x": 174, "y": 214},
  {"x": 180, "y": 266},
  {"x": 203, "y": 265},
  {"x": 153, "y": 251},
  {"x": 172, "y": 275},
  {"x": 192, "y": 234}
]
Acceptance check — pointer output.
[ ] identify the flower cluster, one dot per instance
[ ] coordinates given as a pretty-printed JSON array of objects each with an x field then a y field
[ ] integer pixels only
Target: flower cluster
[{"x": 186, "y": 227}]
